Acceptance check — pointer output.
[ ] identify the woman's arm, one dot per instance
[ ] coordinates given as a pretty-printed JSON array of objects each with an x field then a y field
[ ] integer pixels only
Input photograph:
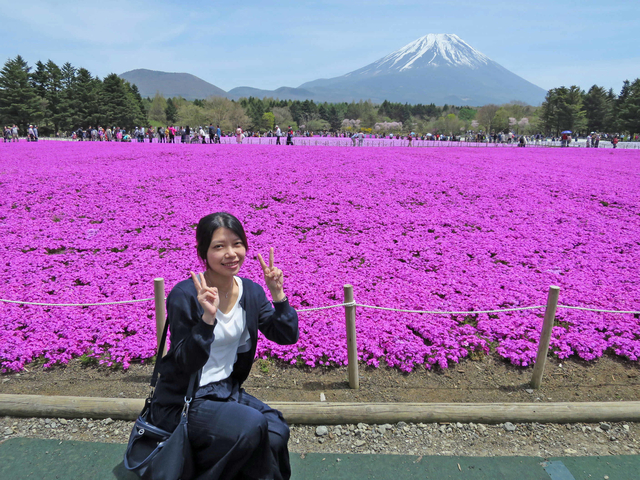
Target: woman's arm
[
  {"x": 191, "y": 337},
  {"x": 279, "y": 323}
]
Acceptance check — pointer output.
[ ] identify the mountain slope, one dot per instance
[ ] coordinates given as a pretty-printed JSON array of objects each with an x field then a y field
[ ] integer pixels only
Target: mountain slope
[
  {"x": 281, "y": 93},
  {"x": 436, "y": 68},
  {"x": 168, "y": 84}
]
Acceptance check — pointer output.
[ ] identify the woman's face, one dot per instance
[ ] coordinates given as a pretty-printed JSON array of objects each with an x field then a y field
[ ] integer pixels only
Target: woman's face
[{"x": 226, "y": 252}]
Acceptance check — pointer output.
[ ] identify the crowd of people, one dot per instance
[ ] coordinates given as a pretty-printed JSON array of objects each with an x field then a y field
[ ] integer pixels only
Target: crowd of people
[
  {"x": 212, "y": 134},
  {"x": 10, "y": 133},
  {"x": 174, "y": 134}
]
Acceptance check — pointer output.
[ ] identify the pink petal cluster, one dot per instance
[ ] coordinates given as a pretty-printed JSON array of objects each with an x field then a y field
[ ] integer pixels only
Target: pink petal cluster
[{"x": 462, "y": 229}]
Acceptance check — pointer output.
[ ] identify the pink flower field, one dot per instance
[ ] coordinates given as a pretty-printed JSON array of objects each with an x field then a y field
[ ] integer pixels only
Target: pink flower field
[{"x": 459, "y": 229}]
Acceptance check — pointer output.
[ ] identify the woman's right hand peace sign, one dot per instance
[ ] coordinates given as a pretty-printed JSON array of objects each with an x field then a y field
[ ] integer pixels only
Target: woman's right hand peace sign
[{"x": 207, "y": 297}]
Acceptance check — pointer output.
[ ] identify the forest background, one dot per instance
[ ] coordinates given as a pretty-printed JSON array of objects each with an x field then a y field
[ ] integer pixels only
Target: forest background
[{"x": 61, "y": 99}]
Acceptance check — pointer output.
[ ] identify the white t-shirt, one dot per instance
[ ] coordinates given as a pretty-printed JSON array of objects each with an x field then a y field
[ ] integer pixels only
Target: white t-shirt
[{"x": 230, "y": 334}]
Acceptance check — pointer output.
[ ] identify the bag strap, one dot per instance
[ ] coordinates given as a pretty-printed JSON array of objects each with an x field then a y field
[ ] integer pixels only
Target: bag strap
[
  {"x": 192, "y": 387},
  {"x": 154, "y": 377}
]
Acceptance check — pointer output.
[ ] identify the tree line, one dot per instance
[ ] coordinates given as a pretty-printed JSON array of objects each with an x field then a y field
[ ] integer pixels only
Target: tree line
[
  {"x": 597, "y": 110},
  {"x": 62, "y": 99}
]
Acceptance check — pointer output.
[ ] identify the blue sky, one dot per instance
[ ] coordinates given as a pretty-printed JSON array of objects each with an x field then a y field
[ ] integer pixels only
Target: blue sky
[{"x": 282, "y": 43}]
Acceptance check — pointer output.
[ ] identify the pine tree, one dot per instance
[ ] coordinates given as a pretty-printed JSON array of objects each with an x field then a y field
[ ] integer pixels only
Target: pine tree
[
  {"x": 53, "y": 94},
  {"x": 171, "y": 112},
  {"x": 39, "y": 79},
  {"x": 67, "y": 107},
  {"x": 120, "y": 107},
  {"x": 563, "y": 110},
  {"x": 618, "y": 105},
  {"x": 323, "y": 112},
  {"x": 19, "y": 103},
  {"x": 597, "y": 108},
  {"x": 136, "y": 107},
  {"x": 629, "y": 109},
  {"x": 139, "y": 100},
  {"x": 334, "y": 119},
  {"x": 255, "y": 111},
  {"x": 86, "y": 104}
]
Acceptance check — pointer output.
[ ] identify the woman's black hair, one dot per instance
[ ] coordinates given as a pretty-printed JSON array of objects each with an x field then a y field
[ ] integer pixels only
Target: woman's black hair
[{"x": 209, "y": 224}]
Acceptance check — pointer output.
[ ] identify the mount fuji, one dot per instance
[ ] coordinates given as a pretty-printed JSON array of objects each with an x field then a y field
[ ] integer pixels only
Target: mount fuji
[{"x": 436, "y": 68}]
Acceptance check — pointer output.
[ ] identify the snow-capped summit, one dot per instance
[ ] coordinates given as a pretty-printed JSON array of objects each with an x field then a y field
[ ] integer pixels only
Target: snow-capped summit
[
  {"x": 439, "y": 68},
  {"x": 434, "y": 49}
]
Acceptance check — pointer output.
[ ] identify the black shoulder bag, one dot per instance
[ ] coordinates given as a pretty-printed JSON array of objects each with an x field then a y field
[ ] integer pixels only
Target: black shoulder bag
[{"x": 153, "y": 453}]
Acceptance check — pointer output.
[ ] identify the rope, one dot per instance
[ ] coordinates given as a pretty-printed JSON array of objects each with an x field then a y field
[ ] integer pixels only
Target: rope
[
  {"x": 598, "y": 310},
  {"x": 440, "y": 312},
  {"x": 350, "y": 304},
  {"x": 76, "y": 304}
]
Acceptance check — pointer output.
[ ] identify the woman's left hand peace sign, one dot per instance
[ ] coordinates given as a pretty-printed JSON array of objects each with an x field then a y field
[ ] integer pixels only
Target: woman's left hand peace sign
[{"x": 273, "y": 277}]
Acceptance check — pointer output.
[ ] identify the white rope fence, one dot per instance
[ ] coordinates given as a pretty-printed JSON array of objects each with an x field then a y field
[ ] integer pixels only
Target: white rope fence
[
  {"x": 76, "y": 304},
  {"x": 350, "y": 305},
  {"x": 338, "y": 305}
]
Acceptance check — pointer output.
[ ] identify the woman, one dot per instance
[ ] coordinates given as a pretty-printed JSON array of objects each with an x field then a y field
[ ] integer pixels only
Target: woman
[
  {"x": 214, "y": 319},
  {"x": 238, "y": 134}
]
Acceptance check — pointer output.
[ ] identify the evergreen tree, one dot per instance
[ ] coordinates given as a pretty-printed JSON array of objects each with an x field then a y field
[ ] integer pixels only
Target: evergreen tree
[
  {"x": 597, "y": 107},
  {"x": 562, "y": 110},
  {"x": 467, "y": 114},
  {"x": 67, "y": 107},
  {"x": 137, "y": 111},
  {"x": 86, "y": 103},
  {"x": 323, "y": 111},
  {"x": 308, "y": 111},
  {"x": 255, "y": 110},
  {"x": 120, "y": 106},
  {"x": 53, "y": 114},
  {"x": 618, "y": 105},
  {"x": 138, "y": 97},
  {"x": 39, "y": 79},
  {"x": 405, "y": 114},
  {"x": 171, "y": 112},
  {"x": 18, "y": 100},
  {"x": 335, "y": 121},
  {"x": 296, "y": 111},
  {"x": 353, "y": 111},
  {"x": 629, "y": 109}
]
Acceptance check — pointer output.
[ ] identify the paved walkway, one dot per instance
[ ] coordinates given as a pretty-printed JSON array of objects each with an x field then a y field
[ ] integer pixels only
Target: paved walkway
[{"x": 25, "y": 458}]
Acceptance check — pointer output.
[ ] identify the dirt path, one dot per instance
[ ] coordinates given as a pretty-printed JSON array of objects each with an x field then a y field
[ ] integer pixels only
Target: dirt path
[{"x": 489, "y": 380}]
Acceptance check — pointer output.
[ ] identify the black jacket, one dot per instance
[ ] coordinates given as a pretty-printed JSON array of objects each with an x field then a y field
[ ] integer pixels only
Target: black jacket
[{"x": 191, "y": 339}]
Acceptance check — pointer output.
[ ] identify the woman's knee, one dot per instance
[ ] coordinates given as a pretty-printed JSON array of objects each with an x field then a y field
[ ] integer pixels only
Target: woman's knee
[
  {"x": 278, "y": 435},
  {"x": 279, "y": 440},
  {"x": 254, "y": 431}
]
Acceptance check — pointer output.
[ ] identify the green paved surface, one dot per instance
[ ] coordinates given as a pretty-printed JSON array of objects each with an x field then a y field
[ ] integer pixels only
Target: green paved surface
[{"x": 24, "y": 458}]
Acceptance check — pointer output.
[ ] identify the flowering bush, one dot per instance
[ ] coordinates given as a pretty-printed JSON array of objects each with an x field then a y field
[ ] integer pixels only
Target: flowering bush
[{"x": 430, "y": 229}]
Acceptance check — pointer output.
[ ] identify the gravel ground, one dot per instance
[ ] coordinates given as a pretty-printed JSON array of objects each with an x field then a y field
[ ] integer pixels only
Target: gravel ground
[{"x": 541, "y": 440}]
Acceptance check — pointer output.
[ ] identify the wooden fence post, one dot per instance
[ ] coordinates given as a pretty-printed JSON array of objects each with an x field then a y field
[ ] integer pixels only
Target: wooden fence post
[
  {"x": 352, "y": 345},
  {"x": 161, "y": 314},
  {"x": 545, "y": 336}
]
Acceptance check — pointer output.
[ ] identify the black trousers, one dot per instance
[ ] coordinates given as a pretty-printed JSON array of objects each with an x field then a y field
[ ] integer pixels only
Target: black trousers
[
  {"x": 278, "y": 140},
  {"x": 233, "y": 440}
]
